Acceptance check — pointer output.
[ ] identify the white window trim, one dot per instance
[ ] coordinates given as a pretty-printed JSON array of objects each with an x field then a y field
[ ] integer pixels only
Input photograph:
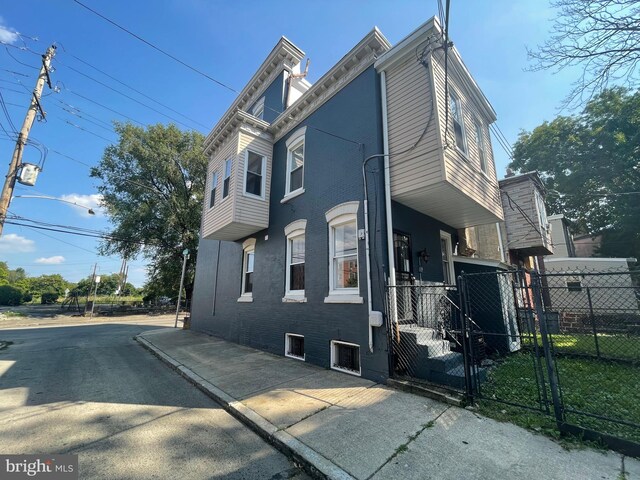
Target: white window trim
[
  {"x": 298, "y": 137},
  {"x": 344, "y": 370},
  {"x": 447, "y": 237},
  {"x": 286, "y": 347},
  {"x": 464, "y": 151},
  {"x": 258, "y": 107},
  {"x": 248, "y": 246},
  {"x": 293, "y": 230},
  {"x": 224, "y": 177},
  {"x": 339, "y": 215},
  {"x": 541, "y": 208},
  {"x": 262, "y": 180}
]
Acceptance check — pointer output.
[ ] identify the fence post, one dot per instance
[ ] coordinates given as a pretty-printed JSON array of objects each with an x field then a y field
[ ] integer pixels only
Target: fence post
[
  {"x": 466, "y": 338},
  {"x": 548, "y": 356},
  {"x": 593, "y": 323}
]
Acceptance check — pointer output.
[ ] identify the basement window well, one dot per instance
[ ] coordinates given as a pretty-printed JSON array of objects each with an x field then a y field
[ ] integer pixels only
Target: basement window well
[
  {"x": 345, "y": 357},
  {"x": 294, "y": 346}
]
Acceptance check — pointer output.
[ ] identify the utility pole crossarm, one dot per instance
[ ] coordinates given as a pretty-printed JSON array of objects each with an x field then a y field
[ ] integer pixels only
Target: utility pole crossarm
[{"x": 23, "y": 136}]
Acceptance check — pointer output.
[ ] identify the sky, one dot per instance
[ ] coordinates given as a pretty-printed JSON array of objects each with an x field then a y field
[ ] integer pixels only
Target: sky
[{"x": 228, "y": 41}]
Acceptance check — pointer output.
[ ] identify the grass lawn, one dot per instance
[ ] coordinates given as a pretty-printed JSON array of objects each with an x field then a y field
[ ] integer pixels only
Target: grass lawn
[
  {"x": 619, "y": 346},
  {"x": 590, "y": 385},
  {"x": 10, "y": 314}
]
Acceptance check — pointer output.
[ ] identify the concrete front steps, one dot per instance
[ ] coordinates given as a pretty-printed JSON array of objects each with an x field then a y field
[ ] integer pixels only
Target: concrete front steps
[{"x": 424, "y": 355}]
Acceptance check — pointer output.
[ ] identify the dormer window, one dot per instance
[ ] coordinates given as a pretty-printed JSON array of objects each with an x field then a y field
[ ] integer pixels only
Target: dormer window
[
  {"x": 258, "y": 109},
  {"x": 458, "y": 122}
]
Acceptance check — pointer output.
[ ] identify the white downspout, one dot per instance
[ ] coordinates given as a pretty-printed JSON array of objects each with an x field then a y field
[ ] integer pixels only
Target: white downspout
[{"x": 387, "y": 199}]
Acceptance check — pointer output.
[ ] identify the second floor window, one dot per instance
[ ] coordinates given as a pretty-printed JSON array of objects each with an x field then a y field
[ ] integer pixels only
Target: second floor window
[
  {"x": 227, "y": 178},
  {"x": 480, "y": 144},
  {"x": 295, "y": 167},
  {"x": 214, "y": 185},
  {"x": 458, "y": 122},
  {"x": 254, "y": 174}
]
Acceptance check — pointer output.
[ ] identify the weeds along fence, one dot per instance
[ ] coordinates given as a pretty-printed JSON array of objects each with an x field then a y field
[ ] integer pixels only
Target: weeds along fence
[{"x": 565, "y": 344}]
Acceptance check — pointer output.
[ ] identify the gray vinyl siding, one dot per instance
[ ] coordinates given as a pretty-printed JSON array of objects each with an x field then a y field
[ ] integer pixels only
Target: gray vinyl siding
[
  {"x": 409, "y": 109},
  {"x": 463, "y": 171},
  {"x": 252, "y": 210},
  {"x": 222, "y": 213},
  {"x": 332, "y": 175},
  {"x": 521, "y": 234}
]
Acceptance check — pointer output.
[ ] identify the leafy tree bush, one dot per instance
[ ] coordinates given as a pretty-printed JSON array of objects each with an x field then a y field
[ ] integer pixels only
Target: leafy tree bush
[
  {"x": 10, "y": 295},
  {"x": 49, "y": 297}
]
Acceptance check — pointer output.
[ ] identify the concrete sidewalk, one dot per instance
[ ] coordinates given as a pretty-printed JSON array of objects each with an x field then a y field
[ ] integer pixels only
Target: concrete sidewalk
[{"x": 342, "y": 426}]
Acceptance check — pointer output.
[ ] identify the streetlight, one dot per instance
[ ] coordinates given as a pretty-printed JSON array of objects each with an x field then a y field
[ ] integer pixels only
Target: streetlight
[{"x": 46, "y": 197}]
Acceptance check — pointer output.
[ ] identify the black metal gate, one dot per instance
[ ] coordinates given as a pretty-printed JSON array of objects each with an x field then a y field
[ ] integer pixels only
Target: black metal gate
[{"x": 562, "y": 345}]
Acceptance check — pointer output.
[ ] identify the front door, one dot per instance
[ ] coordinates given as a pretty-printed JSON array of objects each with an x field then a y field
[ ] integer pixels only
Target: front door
[{"x": 404, "y": 275}]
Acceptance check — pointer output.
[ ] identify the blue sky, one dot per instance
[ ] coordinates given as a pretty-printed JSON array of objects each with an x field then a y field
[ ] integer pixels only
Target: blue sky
[{"x": 228, "y": 40}]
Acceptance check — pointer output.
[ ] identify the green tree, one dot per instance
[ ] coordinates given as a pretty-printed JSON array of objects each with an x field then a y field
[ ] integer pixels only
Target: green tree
[
  {"x": 590, "y": 164},
  {"x": 152, "y": 183},
  {"x": 48, "y": 283},
  {"x": 4, "y": 273},
  {"x": 16, "y": 276}
]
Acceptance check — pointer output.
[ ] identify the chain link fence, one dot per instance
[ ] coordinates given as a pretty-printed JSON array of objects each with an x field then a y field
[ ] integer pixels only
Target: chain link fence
[{"x": 564, "y": 344}]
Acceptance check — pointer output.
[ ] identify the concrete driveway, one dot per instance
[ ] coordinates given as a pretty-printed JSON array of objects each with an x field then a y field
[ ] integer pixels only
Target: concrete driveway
[{"x": 93, "y": 391}]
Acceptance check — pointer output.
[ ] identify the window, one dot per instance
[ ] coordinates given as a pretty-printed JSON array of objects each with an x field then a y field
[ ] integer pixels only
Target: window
[
  {"x": 258, "y": 109},
  {"x": 343, "y": 254},
  {"x": 542, "y": 210},
  {"x": 254, "y": 174},
  {"x": 447, "y": 261},
  {"x": 574, "y": 284},
  {"x": 248, "y": 259},
  {"x": 294, "y": 346},
  {"x": 480, "y": 144},
  {"x": 295, "y": 162},
  {"x": 345, "y": 357},
  {"x": 227, "y": 178},
  {"x": 458, "y": 122},
  {"x": 214, "y": 184},
  {"x": 295, "y": 233}
]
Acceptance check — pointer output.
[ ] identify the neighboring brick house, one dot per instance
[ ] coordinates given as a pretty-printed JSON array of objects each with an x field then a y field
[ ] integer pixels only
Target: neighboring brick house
[{"x": 296, "y": 248}]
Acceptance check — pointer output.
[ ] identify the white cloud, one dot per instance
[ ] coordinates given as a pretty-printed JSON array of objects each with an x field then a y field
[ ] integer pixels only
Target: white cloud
[
  {"x": 93, "y": 201},
  {"x": 12, "y": 243},
  {"x": 55, "y": 260},
  {"x": 7, "y": 34}
]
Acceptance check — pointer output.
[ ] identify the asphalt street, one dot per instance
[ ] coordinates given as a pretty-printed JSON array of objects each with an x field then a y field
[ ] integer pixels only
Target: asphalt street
[{"x": 93, "y": 391}]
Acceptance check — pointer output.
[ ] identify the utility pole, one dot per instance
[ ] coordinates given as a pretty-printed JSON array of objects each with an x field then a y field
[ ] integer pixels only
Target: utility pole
[
  {"x": 16, "y": 159},
  {"x": 185, "y": 254}
]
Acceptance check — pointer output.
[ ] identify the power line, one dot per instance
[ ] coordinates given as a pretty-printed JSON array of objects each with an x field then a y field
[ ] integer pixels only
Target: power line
[
  {"x": 136, "y": 90},
  {"x": 157, "y": 48},
  {"x": 85, "y": 130},
  {"x": 124, "y": 95}
]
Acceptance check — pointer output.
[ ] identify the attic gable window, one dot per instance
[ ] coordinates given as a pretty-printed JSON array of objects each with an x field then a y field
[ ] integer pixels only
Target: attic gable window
[{"x": 458, "y": 122}]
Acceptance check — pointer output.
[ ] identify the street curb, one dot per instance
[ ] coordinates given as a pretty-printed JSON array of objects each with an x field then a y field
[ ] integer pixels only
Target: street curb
[{"x": 311, "y": 461}]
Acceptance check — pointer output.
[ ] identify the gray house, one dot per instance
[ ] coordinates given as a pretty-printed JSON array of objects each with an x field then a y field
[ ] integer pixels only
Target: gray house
[{"x": 321, "y": 198}]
